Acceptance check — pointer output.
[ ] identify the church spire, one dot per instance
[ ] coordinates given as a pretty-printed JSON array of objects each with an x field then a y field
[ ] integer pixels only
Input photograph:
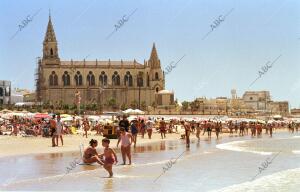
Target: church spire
[
  {"x": 50, "y": 50},
  {"x": 50, "y": 34},
  {"x": 154, "y": 60}
]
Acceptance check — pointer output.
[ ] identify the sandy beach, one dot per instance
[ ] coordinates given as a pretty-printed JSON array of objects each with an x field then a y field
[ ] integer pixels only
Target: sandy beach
[{"x": 18, "y": 145}]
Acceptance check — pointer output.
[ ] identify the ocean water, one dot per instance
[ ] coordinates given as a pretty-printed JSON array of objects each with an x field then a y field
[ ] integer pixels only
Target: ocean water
[{"x": 227, "y": 164}]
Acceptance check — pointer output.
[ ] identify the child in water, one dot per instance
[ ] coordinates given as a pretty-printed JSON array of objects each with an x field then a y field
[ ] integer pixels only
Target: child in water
[{"x": 109, "y": 155}]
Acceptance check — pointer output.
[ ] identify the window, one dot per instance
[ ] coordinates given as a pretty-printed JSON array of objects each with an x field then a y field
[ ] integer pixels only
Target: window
[
  {"x": 156, "y": 76},
  {"x": 78, "y": 79},
  {"x": 91, "y": 79},
  {"x": 51, "y": 51},
  {"x": 53, "y": 80},
  {"x": 116, "y": 79},
  {"x": 1, "y": 92},
  {"x": 128, "y": 79},
  {"x": 103, "y": 79},
  {"x": 251, "y": 98},
  {"x": 148, "y": 80},
  {"x": 66, "y": 79},
  {"x": 140, "y": 81},
  {"x": 157, "y": 89}
]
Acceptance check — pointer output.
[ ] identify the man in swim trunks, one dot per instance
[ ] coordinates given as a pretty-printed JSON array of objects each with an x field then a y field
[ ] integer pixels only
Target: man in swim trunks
[
  {"x": 134, "y": 131},
  {"x": 124, "y": 123},
  {"x": 53, "y": 130},
  {"x": 59, "y": 130},
  {"x": 90, "y": 154},
  {"x": 109, "y": 155},
  {"x": 126, "y": 141}
]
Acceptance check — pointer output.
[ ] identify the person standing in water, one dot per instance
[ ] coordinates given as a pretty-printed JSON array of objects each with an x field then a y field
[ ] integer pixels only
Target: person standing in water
[
  {"x": 90, "y": 154},
  {"x": 198, "y": 130},
  {"x": 209, "y": 129},
  {"x": 59, "y": 130},
  {"x": 149, "y": 126},
  {"x": 218, "y": 129},
  {"x": 109, "y": 155},
  {"x": 187, "y": 129},
  {"x": 162, "y": 128},
  {"x": 126, "y": 141},
  {"x": 134, "y": 131},
  {"x": 86, "y": 127},
  {"x": 124, "y": 123}
]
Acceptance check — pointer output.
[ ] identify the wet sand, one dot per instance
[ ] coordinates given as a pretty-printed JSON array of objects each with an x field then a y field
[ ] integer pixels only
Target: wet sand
[{"x": 204, "y": 167}]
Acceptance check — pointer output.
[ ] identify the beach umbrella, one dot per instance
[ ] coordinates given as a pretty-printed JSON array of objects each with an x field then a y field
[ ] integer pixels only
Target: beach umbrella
[
  {"x": 93, "y": 118},
  {"x": 67, "y": 119},
  {"x": 65, "y": 115},
  {"x": 6, "y": 111},
  {"x": 134, "y": 112},
  {"x": 41, "y": 115}
]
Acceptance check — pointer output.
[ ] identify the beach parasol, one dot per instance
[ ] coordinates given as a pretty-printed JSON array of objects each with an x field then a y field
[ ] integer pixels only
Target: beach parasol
[
  {"x": 134, "y": 112},
  {"x": 41, "y": 115}
]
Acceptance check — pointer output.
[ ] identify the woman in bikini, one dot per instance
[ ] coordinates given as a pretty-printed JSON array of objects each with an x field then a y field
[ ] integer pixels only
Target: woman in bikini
[{"x": 90, "y": 154}]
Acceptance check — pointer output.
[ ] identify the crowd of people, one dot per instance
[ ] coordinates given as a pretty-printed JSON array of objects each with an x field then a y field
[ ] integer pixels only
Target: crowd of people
[{"x": 128, "y": 130}]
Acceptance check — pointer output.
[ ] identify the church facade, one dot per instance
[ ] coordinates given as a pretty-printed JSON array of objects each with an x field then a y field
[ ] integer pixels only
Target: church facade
[{"x": 124, "y": 83}]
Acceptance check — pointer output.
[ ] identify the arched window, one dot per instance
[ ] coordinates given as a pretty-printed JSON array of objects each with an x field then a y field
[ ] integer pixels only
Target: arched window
[
  {"x": 140, "y": 81},
  {"x": 78, "y": 79},
  {"x": 128, "y": 79},
  {"x": 53, "y": 79},
  {"x": 148, "y": 80},
  {"x": 103, "y": 79},
  {"x": 51, "y": 51},
  {"x": 116, "y": 79},
  {"x": 66, "y": 78},
  {"x": 156, "y": 76},
  {"x": 91, "y": 79},
  {"x": 157, "y": 89}
]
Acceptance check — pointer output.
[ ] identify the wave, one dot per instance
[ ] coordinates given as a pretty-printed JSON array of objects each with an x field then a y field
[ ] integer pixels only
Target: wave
[
  {"x": 296, "y": 152},
  {"x": 234, "y": 146},
  {"x": 287, "y": 180}
]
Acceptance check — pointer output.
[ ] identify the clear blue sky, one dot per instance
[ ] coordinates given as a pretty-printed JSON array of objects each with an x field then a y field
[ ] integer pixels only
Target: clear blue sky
[{"x": 255, "y": 32}]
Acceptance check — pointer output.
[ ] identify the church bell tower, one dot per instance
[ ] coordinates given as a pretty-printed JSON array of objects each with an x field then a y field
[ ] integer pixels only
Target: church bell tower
[{"x": 50, "y": 50}]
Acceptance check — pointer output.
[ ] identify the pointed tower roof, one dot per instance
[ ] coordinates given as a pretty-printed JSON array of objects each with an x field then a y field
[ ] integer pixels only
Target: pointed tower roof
[
  {"x": 154, "y": 61},
  {"x": 50, "y": 34},
  {"x": 154, "y": 55}
]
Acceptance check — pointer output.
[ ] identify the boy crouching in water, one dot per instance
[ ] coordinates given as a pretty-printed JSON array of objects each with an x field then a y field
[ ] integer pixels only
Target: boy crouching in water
[{"x": 109, "y": 155}]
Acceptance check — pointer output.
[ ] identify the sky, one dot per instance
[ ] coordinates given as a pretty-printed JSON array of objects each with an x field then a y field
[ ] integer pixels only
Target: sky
[{"x": 216, "y": 56}]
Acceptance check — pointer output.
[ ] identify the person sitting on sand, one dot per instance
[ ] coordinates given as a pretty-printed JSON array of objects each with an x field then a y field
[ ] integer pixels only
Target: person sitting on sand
[
  {"x": 109, "y": 155},
  {"x": 90, "y": 154}
]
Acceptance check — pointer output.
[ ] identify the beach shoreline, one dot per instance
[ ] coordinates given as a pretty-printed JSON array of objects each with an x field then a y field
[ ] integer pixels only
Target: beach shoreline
[{"x": 18, "y": 145}]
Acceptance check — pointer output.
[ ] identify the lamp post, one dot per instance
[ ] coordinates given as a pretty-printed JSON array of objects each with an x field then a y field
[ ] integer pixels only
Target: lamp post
[
  {"x": 139, "y": 83},
  {"x": 77, "y": 101}
]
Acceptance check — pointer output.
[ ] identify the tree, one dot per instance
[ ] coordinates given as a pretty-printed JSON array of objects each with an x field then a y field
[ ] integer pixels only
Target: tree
[
  {"x": 124, "y": 106},
  {"x": 112, "y": 103},
  {"x": 143, "y": 105},
  {"x": 185, "y": 105},
  {"x": 134, "y": 104}
]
